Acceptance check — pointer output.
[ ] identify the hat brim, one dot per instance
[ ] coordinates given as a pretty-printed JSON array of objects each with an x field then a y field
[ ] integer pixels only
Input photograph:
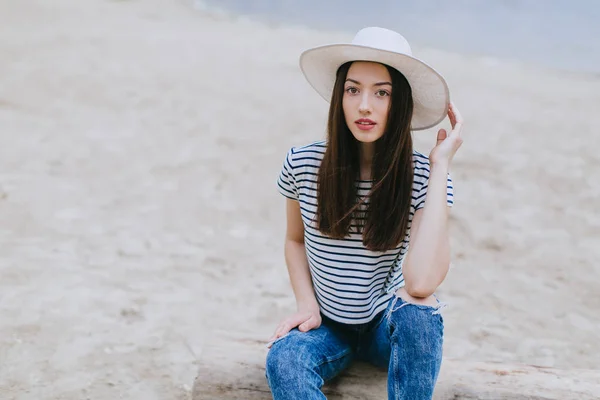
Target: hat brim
[{"x": 431, "y": 96}]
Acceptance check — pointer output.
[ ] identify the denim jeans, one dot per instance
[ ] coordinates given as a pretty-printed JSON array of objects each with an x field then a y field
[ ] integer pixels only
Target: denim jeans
[{"x": 406, "y": 339}]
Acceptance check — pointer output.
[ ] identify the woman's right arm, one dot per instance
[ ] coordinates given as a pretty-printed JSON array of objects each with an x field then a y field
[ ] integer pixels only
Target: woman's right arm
[
  {"x": 307, "y": 316},
  {"x": 296, "y": 260}
]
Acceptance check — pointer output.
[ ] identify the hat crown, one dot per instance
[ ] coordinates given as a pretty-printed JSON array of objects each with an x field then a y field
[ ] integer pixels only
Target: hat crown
[{"x": 383, "y": 39}]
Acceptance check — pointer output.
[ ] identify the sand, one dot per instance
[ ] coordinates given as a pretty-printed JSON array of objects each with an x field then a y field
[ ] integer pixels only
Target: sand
[{"x": 140, "y": 223}]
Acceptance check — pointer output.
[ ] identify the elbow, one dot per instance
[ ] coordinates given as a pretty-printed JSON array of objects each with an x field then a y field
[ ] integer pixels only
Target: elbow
[
  {"x": 421, "y": 286},
  {"x": 294, "y": 241},
  {"x": 423, "y": 282},
  {"x": 419, "y": 290}
]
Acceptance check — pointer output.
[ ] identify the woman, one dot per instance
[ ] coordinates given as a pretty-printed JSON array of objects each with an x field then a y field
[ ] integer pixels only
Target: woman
[{"x": 367, "y": 223}]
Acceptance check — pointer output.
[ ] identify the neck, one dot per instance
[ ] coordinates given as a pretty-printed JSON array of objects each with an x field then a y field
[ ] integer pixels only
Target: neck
[{"x": 366, "y": 151}]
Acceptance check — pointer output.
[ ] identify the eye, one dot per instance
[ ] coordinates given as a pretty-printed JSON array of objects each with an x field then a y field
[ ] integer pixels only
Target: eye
[
  {"x": 382, "y": 93},
  {"x": 351, "y": 90}
]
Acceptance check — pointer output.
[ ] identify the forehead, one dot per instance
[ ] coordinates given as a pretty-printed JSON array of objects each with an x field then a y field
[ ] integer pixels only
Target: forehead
[{"x": 368, "y": 72}]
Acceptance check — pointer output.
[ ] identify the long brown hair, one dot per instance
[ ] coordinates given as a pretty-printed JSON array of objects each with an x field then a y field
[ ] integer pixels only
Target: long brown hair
[{"x": 385, "y": 216}]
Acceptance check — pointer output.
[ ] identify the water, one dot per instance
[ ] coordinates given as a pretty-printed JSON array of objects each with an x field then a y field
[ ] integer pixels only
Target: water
[{"x": 556, "y": 33}]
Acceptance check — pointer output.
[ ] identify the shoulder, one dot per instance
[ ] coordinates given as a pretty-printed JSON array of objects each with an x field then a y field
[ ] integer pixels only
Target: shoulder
[
  {"x": 420, "y": 166},
  {"x": 307, "y": 154},
  {"x": 420, "y": 160},
  {"x": 314, "y": 148}
]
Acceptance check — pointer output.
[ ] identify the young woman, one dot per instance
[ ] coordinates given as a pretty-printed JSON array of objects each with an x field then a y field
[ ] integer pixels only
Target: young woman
[{"x": 367, "y": 223}]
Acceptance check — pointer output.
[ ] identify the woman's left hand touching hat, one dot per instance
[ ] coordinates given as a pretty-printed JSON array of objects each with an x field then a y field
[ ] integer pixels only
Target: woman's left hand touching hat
[{"x": 448, "y": 143}]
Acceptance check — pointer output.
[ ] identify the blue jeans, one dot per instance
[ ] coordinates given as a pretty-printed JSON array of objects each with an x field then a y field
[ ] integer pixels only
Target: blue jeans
[{"x": 405, "y": 339}]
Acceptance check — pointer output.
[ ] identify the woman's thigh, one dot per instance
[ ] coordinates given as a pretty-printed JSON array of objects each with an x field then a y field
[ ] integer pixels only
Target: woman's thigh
[{"x": 323, "y": 350}]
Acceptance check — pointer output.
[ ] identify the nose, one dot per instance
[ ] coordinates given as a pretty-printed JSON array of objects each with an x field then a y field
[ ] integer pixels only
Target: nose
[{"x": 365, "y": 104}]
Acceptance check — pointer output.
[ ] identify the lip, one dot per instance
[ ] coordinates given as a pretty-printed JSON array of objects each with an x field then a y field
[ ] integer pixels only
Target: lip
[{"x": 365, "y": 124}]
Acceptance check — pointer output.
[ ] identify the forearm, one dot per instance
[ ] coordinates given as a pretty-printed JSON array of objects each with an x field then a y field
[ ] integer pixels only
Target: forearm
[
  {"x": 300, "y": 278},
  {"x": 428, "y": 257}
]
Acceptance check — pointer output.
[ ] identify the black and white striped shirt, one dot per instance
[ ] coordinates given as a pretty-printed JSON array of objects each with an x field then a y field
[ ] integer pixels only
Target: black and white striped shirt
[{"x": 352, "y": 284}]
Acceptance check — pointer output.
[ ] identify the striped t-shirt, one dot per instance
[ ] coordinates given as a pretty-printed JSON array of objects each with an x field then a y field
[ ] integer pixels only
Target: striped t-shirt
[{"x": 352, "y": 284}]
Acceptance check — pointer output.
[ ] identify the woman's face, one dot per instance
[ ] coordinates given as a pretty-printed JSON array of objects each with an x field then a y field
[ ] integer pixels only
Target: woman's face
[{"x": 366, "y": 100}]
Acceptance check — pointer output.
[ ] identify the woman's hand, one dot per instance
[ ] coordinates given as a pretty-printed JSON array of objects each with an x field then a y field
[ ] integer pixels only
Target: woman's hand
[
  {"x": 304, "y": 320},
  {"x": 448, "y": 144}
]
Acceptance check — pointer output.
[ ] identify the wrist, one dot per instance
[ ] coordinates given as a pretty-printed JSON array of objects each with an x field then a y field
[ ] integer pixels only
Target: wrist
[
  {"x": 442, "y": 166},
  {"x": 308, "y": 305}
]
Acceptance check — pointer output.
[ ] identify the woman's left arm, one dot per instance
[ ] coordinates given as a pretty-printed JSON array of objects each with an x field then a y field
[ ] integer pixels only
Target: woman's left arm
[{"x": 428, "y": 257}]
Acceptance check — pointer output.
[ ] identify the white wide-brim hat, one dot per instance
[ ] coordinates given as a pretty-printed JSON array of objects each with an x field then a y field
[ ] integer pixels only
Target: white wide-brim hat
[{"x": 429, "y": 89}]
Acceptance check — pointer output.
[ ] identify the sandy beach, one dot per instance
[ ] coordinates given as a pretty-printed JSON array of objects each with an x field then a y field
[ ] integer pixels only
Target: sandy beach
[{"x": 140, "y": 142}]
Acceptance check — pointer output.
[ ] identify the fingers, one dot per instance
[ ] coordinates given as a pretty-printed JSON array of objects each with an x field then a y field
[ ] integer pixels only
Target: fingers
[
  {"x": 306, "y": 326},
  {"x": 448, "y": 143},
  {"x": 287, "y": 325},
  {"x": 454, "y": 111},
  {"x": 284, "y": 328},
  {"x": 441, "y": 135},
  {"x": 456, "y": 120},
  {"x": 304, "y": 322}
]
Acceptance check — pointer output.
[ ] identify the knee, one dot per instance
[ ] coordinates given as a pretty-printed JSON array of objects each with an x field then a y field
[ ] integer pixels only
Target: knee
[
  {"x": 283, "y": 363},
  {"x": 280, "y": 363},
  {"x": 416, "y": 323}
]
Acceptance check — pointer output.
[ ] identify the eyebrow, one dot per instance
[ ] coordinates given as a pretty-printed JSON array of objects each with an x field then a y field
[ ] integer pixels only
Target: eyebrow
[{"x": 377, "y": 84}]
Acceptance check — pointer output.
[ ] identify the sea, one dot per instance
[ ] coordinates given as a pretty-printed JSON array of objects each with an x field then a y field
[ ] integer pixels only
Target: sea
[{"x": 558, "y": 34}]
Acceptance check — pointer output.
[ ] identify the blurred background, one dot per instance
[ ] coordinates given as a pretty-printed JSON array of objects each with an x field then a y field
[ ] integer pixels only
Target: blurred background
[
  {"x": 141, "y": 231},
  {"x": 561, "y": 34}
]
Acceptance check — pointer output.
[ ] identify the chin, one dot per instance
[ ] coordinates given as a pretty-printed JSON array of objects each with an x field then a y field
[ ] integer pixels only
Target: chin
[{"x": 366, "y": 137}]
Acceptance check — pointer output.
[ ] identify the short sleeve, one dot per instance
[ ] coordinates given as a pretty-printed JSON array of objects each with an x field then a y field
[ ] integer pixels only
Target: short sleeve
[
  {"x": 286, "y": 183},
  {"x": 422, "y": 194}
]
